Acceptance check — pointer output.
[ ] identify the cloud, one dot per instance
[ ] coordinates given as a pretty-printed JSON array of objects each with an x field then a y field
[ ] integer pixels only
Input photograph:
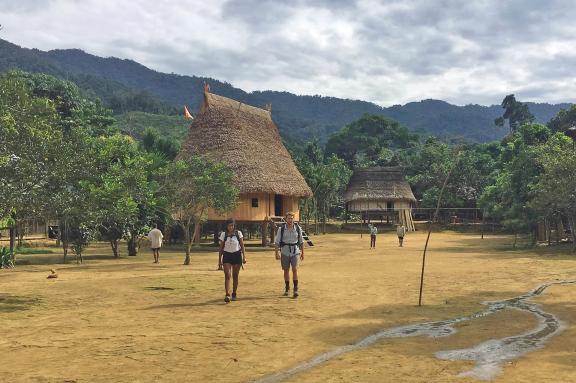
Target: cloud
[{"x": 388, "y": 52}]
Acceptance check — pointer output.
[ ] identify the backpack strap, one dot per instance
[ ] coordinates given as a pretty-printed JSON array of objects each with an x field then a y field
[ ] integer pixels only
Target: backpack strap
[
  {"x": 282, "y": 234},
  {"x": 298, "y": 231}
]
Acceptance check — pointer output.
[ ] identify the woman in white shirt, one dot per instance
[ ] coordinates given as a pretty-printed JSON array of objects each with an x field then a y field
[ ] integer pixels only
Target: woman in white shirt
[{"x": 231, "y": 256}]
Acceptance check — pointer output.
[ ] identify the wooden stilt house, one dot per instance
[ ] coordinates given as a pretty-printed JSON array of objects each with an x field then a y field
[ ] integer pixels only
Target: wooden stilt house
[
  {"x": 246, "y": 139},
  {"x": 381, "y": 193}
]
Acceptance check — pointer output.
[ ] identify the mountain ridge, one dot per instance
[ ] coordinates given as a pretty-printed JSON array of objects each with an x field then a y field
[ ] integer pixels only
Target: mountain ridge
[{"x": 302, "y": 117}]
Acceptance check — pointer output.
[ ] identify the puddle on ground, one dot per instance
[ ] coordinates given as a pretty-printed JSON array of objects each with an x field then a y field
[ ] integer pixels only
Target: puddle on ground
[{"x": 489, "y": 355}]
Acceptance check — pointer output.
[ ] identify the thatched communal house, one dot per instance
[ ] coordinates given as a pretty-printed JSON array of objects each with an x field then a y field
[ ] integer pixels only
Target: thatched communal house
[
  {"x": 381, "y": 192},
  {"x": 246, "y": 139}
]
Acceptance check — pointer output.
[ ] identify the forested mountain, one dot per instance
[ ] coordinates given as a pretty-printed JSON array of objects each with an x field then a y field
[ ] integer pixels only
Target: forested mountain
[{"x": 125, "y": 85}]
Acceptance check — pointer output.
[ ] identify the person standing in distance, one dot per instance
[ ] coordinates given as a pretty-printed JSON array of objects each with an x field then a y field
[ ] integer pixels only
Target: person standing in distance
[
  {"x": 231, "y": 255},
  {"x": 289, "y": 250},
  {"x": 155, "y": 237},
  {"x": 401, "y": 232},
  {"x": 373, "y": 232}
]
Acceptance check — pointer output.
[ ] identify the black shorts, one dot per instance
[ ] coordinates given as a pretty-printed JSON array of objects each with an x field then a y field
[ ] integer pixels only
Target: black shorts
[{"x": 232, "y": 258}]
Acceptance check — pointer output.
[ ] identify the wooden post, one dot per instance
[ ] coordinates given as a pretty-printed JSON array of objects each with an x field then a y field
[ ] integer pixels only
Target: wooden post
[{"x": 264, "y": 232}]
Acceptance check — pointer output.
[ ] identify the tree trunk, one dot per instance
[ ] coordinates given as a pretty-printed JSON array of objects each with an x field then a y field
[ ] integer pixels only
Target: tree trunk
[
  {"x": 133, "y": 244},
  {"x": 114, "y": 244},
  {"x": 12, "y": 239},
  {"x": 572, "y": 234},
  {"x": 19, "y": 233},
  {"x": 63, "y": 233},
  {"x": 197, "y": 232},
  {"x": 188, "y": 242}
]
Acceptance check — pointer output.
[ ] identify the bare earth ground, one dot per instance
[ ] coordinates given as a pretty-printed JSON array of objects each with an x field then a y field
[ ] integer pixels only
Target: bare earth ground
[{"x": 128, "y": 320}]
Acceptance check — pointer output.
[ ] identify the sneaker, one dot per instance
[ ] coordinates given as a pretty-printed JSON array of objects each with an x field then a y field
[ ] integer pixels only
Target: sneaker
[
  {"x": 296, "y": 294},
  {"x": 286, "y": 292},
  {"x": 233, "y": 296},
  {"x": 227, "y": 299}
]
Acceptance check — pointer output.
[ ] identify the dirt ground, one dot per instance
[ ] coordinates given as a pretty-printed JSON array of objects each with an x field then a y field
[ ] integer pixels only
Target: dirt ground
[{"x": 129, "y": 320}]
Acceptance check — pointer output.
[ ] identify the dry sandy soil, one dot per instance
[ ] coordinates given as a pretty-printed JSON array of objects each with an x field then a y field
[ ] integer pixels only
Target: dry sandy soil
[{"x": 129, "y": 320}]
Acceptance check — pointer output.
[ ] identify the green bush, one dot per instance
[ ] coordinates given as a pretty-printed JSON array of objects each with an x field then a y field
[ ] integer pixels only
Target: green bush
[{"x": 6, "y": 258}]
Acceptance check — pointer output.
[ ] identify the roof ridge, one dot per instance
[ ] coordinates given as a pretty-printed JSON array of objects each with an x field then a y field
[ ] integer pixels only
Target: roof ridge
[{"x": 231, "y": 100}]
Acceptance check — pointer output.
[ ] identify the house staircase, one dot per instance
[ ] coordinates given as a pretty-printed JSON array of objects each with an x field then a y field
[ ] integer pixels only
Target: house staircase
[{"x": 278, "y": 221}]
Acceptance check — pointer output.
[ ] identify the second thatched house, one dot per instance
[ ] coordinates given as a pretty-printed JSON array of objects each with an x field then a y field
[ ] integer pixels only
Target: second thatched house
[
  {"x": 246, "y": 139},
  {"x": 381, "y": 192}
]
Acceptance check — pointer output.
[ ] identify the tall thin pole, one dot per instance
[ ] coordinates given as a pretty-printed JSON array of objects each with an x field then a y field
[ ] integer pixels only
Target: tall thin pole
[{"x": 430, "y": 229}]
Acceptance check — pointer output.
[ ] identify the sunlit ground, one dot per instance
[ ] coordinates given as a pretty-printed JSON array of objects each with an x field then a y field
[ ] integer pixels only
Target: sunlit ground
[{"x": 129, "y": 320}]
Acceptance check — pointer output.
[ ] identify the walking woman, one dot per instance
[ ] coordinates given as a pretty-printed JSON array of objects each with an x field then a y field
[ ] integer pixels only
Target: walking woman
[{"x": 231, "y": 256}]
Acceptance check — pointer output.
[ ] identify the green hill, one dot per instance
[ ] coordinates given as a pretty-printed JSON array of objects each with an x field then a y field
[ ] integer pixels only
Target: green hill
[{"x": 125, "y": 85}]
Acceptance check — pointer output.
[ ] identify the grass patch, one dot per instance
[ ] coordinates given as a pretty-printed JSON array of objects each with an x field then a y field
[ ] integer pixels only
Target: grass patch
[{"x": 31, "y": 250}]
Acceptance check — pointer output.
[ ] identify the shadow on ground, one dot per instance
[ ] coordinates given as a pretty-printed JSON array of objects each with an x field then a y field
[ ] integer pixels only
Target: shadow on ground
[{"x": 10, "y": 303}]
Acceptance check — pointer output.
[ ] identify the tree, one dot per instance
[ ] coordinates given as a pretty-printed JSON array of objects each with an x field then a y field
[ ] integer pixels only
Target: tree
[
  {"x": 152, "y": 142},
  {"x": 327, "y": 176},
  {"x": 516, "y": 113},
  {"x": 509, "y": 197},
  {"x": 118, "y": 189},
  {"x": 193, "y": 187},
  {"x": 555, "y": 189},
  {"x": 370, "y": 141},
  {"x": 564, "y": 120},
  {"x": 30, "y": 142}
]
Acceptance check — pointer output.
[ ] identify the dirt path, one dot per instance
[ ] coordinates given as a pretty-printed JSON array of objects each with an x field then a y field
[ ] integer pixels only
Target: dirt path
[{"x": 129, "y": 320}]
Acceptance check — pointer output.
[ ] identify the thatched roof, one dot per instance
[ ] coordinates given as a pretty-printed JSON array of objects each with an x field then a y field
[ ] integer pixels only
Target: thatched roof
[
  {"x": 247, "y": 141},
  {"x": 378, "y": 183}
]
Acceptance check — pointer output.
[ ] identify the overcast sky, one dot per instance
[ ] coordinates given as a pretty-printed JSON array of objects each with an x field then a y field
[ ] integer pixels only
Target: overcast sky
[{"x": 388, "y": 52}]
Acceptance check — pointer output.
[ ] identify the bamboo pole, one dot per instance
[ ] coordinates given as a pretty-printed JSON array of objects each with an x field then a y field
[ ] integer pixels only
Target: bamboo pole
[{"x": 430, "y": 229}]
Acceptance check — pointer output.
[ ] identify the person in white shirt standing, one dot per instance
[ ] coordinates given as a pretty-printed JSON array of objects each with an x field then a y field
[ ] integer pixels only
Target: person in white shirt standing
[
  {"x": 290, "y": 243},
  {"x": 155, "y": 236},
  {"x": 232, "y": 256}
]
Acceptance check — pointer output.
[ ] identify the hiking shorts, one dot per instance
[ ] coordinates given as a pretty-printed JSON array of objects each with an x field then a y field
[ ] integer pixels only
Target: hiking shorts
[
  {"x": 286, "y": 261},
  {"x": 232, "y": 258}
]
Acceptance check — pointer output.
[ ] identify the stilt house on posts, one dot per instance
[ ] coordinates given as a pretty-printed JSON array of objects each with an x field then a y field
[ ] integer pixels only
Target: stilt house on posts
[
  {"x": 246, "y": 139},
  {"x": 381, "y": 193}
]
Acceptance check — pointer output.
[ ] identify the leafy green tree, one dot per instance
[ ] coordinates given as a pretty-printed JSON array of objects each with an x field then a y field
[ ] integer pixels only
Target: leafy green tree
[
  {"x": 555, "y": 189},
  {"x": 75, "y": 109},
  {"x": 564, "y": 120},
  {"x": 328, "y": 176},
  {"x": 152, "y": 142},
  {"x": 192, "y": 187},
  {"x": 515, "y": 112},
  {"x": 509, "y": 197},
  {"x": 30, "y": 143},
  {"x": 118, "y": 188},
  {"x": 369, "y": 141}
]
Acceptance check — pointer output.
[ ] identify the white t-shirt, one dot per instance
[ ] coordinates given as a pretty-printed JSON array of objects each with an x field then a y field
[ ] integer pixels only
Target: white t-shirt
[
  {"x": 232, "y": 244},
  {"x": 155, "y": 236}
]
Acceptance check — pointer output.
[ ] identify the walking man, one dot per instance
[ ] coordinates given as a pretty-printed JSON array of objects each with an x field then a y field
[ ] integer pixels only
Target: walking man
[
  {"x": 289, "y": 242},
  {"x": 155, "y": 236},
  {"x": 373, "y": 232},
  {"x": 401, "y": 232}
]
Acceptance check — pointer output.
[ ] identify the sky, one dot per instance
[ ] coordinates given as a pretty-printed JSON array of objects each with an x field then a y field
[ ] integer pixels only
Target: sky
[{"x": 387, "y": 52}]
